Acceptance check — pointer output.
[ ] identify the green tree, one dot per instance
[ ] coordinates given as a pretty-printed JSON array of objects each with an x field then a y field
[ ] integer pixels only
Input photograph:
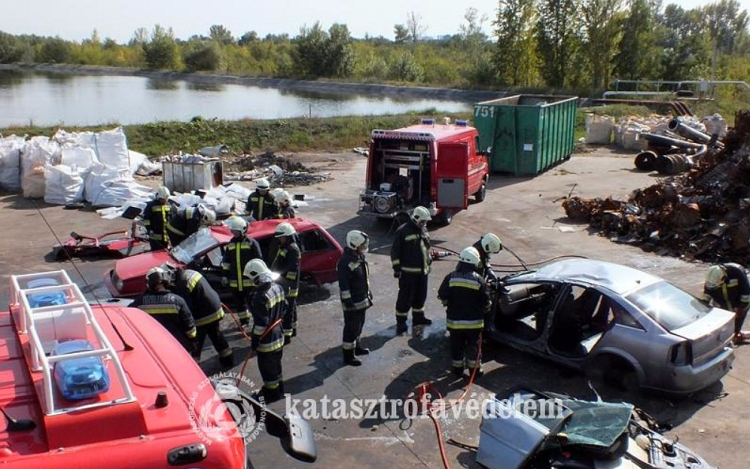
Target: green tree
[
  {"x": 474, "y": 44},
  {"x": 727, "y": 24},
  {"x": 403, "y": 67},
  {"x": 557, "y": 27},
  {"x": 401, "y": 33},
  {"x": 685, "y": 42},
  {"x": 54, "y": 50},
  {"x": 10, "y": 48},
  {"x": 247, "y": 38},
  {"x": 161, "y": 51},
  {"x": 515, "y": 58},
  {"x": 638, "y": 57},
  {"x": 140, "y": 37},
  {"x": 339, "y": 54},
  {"x": 414, "y": 26},
  {"x": 324, "y": 54},
  {"x": 203, "y": 56},
  {"x": 221, "y": 35},
  {"x": 601, "y": 22}
]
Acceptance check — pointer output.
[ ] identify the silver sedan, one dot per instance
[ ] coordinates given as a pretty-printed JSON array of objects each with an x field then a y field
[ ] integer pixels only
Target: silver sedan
[{"x": 615, "y": 323}]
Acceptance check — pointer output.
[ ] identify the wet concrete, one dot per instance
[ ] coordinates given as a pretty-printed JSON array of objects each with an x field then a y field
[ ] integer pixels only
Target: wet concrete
[{"x": 526, "y": 214}]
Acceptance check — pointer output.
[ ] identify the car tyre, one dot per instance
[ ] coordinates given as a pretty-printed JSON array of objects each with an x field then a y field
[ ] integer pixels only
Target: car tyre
[
  {"x": 445, "y": 218},
  {"x": 481, "y": 193},
  {"x": 612, "y": 372}
]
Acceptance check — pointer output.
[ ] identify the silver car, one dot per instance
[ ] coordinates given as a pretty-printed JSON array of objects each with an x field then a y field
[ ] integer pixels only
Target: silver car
[{"x": 615, "y": 323}]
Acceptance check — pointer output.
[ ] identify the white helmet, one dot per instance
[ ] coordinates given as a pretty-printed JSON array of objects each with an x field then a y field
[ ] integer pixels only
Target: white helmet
[
  {"x": 356, "y": 238},
  {"x": 284, "y": 229},
  {"x": 162, "y": 193},
  {"x": 420, "y": 214},
  {"x": 284, "y": 197},
  {"x": 258, "y": 272},
  {"x": 156, "y": 275},
  {"x": 715, "y": 277},
  {"x": 491, "y": 243},
  {"x": 262, "y": 184},
  {"x": 236, "y": 224},
  {"x": 208, "y": 216},
  {"x": 469, "y": 255}
]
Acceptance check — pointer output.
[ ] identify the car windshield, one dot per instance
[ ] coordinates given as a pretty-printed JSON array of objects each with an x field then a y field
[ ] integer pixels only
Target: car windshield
[
  {"x": 197, "y": 243},
  {"x": 668, "y": 305}
]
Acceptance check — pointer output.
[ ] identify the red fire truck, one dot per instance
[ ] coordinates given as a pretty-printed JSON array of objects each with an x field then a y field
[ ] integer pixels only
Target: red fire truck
[{"x": 437, "y": 166}]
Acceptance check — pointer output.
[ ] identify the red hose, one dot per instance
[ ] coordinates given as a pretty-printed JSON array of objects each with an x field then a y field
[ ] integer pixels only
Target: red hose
[{"x": 251, "y": 353}]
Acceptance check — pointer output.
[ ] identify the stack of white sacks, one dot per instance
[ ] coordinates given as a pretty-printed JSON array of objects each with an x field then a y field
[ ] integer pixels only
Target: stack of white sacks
[{"x": 71, "y": 168}]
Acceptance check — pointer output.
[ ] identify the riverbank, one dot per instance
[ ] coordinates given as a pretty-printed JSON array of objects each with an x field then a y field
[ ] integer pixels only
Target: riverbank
[{"x": 309, "y": 86}]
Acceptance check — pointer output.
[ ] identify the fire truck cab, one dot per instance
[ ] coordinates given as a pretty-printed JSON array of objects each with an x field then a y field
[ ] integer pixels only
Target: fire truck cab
[{"x": 437, "y": 166}]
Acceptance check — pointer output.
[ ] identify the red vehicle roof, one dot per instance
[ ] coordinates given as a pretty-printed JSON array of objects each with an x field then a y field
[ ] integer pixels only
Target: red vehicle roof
[
  {"x": 123, "y": 432},
  {"x": 435, "y": 132}
]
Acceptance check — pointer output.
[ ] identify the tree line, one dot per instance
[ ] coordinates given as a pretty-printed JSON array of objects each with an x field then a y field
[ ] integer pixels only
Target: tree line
[{"x": 554, "y": 45}]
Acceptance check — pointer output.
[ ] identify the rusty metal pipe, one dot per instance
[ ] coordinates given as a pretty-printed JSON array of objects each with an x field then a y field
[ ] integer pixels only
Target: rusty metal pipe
[
  {"x": 675, "y": 142},
  {"x": 676, "y": 125}
]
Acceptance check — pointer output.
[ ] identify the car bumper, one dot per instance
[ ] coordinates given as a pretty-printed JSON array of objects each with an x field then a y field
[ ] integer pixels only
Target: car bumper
[
  {"x": 690, "y": 378},
  {"x": 109, "y": 283}
]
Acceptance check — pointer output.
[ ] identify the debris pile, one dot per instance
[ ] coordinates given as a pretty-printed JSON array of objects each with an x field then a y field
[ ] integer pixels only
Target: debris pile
[
  {"x": 280, "y": 170},
  {"x": 702, "y": 214}
]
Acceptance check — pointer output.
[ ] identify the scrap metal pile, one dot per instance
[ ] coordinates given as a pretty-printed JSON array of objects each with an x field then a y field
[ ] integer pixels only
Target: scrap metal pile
[
  {"x": 702, "y": 214},
  {"x": 280, "y": 170}
]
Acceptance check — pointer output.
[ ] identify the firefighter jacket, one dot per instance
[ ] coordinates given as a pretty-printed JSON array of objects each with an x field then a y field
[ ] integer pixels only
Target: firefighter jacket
[
  {"x": 262, "y": 207},
  {"x": 286, "y": 212},
  {"x": 169, "y": 310},
  {"x": 183, "y": 223},
  {"x": 410, "y": 251},
  {"x": 354, "y": 281},
  {"x": 734, "y": 293},
  {"x": 484, "y": 268},
  {"x": 286, "y": 263},
  {"x": 237, "y": 253},
  {"x": 268, "y": 305},
  {"x": 465, "y": 294},
  {"x": 156, "y": 218},
  {"x": 200, "y": 296}
]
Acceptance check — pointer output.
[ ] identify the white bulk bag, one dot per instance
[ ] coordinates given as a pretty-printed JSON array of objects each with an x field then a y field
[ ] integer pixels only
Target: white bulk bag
[
  {"x": 10, "y": 163},
  {"x": 116, "y": 192},
  {"x": 112, "y": 148},
  {"x": 599, "y": 129},
  {"x": 75, "y": 139},
  {"x": 79, "y": 158},
  {"x": 95, "y": 179},
  {"x": 38, "y": 153},
  {"x": 63, "y": 185}
]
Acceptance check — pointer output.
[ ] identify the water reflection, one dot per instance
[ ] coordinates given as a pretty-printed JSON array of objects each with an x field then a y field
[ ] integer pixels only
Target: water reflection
[
  {"x": 162, "y": 85},
  {"x": 318, "y": 95},
  {"x": 12, "y": 78},
  {"x": 58, "y": 78},
  {"x": 197, "y": 86}
]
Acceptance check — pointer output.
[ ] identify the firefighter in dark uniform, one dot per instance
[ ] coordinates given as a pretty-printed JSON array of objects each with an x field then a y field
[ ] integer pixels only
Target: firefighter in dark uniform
[
  {"x": 237, "y": 254},
  {"x": 261, "y": 204},
  {"x": 285, "y": 205},
  {"x": 728, "y": 288},
  {"x": 187, "y": 221},
  {"x": 154, "y": 218},
  {"x": 465, "y": 295},
  {"x": 356, "y": 297},
  {"x": 269, "y": 307},
  {"x": 286, "y": 263},
  {"x": 487, "y": 245},
  {"x": 168, "y": 309},
  {"x": 410, "y": 258},
  {"x": 207, "y": 312}
]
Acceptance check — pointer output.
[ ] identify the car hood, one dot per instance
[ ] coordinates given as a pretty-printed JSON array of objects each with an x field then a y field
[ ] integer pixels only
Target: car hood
[{"x": 137, "y": 266}]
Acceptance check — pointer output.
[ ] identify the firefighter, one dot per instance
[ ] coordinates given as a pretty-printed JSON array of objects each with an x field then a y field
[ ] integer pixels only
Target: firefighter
[
  {"x": 487, "y": 245},
  {"x": 286, "y": 263},
  {"x": 261, "y": 204},
  {"x": 185, "y": 222},
  {"x": 205, "y": 304},
  {"x": 410, "y": 258},
  {"x": 168, "y": 309},
  {"x": 285, "y": 205},
  {"x": 154, "y": 218},
  {"x": 240, "y": 250},
  {"x": 465, "y": 295},
  {"x": 727, "y": 286},
  {"x": 356, "y": 297},
  {"x": 269, "y": 307}
]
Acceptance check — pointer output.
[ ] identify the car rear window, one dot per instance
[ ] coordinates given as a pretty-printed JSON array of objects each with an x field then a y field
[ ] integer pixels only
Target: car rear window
[{"x": 668, "y": 305}]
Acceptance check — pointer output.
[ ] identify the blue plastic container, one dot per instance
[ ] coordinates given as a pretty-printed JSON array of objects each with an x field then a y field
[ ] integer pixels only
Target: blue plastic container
[{"x": 79, "y": 378}]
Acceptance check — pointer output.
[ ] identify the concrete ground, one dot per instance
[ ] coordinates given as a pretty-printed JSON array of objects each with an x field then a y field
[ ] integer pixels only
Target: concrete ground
[{"x": 526, "y": 214}]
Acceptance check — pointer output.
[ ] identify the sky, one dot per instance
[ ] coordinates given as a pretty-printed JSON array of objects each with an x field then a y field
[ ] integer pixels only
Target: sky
[{"x": 118, "y": 19}]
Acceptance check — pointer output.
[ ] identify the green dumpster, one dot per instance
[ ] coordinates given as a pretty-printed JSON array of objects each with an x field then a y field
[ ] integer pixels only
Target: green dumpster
[{"x": 526, "y": 134}]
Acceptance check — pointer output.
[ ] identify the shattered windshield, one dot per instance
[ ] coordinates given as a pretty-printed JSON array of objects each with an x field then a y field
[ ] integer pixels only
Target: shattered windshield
[
  {"x": 197, "y": 243},
  {"x": 668, "y": 305}
]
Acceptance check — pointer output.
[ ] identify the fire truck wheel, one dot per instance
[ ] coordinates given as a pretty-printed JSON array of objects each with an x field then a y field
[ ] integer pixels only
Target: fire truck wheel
[
  {"x": 445, "y": 218},
  {"x": 481, "y": 193}
]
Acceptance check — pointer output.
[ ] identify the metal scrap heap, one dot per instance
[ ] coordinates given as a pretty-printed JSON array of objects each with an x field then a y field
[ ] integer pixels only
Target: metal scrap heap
[{"x": 702, "y": 214}]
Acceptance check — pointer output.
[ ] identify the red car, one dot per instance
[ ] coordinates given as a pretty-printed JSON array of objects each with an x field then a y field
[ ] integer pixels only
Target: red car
[{"x": 203, "y": 251}]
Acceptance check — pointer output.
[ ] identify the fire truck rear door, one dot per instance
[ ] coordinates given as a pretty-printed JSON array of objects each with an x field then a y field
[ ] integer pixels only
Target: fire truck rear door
[{"x": 453, "y": 176}]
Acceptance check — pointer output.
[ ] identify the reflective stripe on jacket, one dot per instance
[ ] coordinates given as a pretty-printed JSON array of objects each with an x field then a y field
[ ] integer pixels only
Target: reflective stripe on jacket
[
  {"x": 287, "y": 265},
  {"x": 354, "y": 281},
  {"x": 465, "y": 294},
  {"x": 410, "y": 251},
  {"x": 170, "y": 310},
  {"x": 200, "y": 296},
  {"x": 236, "y": 255},
  {"x": 267, "y": 306}
]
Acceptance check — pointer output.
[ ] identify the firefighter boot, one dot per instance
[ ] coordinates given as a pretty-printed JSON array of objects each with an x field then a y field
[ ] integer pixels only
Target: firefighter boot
[
  {"x": 401, "y": 326},
  {"x": 227, "y": 361},
  {"x": 350, "y": 359},
  {"x": 420, "y": 320},
  {"x": 359, "y": 350}
]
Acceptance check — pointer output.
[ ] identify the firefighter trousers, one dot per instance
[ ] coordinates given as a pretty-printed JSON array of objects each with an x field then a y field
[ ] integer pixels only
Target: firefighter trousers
[
  {"x": 289, "y": 324},
  {"x": 464, "y": 348},
  {"x": 241, "y": 305},
  {"x": 353, "y": 323},
  {"x": 269, "y": 364},
  {"x": 157, "y": 245},
  {"x": 213, "y": 332},
  {"x": 412, "y": 293}
]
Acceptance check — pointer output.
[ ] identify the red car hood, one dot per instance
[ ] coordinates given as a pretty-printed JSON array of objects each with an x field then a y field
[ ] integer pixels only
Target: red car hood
[{"x": 132, "y": 270}]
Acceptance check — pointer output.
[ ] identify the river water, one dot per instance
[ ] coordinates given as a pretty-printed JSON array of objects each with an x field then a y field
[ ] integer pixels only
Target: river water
[{"x": 50, "y": 99}]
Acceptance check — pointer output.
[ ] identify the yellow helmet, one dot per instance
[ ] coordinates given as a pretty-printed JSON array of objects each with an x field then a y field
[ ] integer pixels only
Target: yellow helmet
[{"x": 716, "y": 276}]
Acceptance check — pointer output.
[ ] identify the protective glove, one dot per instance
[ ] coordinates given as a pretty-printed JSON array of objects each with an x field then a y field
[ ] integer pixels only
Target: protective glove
[{"x": 396, "y": 274}]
